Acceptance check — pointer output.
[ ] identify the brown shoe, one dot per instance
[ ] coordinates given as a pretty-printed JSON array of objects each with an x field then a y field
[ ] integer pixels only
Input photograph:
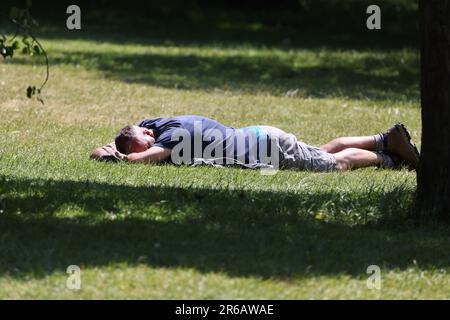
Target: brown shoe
[
  {"x": 399, "y": 163},
  {"x": 398, "y": 142}
]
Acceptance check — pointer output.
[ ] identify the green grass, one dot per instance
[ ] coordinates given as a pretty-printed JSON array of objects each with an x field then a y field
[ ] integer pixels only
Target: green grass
[{"x": 163, "y": 232}]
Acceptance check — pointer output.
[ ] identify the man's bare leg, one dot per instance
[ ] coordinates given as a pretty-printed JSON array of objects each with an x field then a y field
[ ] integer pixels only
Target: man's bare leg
[
  {"x": 339, "y": 144},
  {"x": 353, "y": 158}
]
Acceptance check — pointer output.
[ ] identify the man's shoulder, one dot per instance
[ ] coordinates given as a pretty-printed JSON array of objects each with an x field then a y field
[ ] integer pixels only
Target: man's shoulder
[{"x": 148, "y": 122}]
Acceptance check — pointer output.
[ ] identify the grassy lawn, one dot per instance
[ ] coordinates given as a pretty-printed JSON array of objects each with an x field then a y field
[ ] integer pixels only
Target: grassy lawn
[{"x": 164, "y": 232}]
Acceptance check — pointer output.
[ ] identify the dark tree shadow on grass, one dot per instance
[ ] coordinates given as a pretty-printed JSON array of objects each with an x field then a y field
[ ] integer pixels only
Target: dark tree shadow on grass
[
  {"x": 266, "y": 234},
  {"x": 391, "y": 77},
  {"x": 314, "y": 26}
]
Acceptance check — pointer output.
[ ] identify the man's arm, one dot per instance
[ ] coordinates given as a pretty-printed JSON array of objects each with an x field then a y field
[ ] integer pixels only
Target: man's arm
[{"x": 152, "y": 155}]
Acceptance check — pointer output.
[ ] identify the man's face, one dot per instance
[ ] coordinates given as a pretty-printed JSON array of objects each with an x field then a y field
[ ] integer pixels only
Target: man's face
[{"x": 144, "y": 140}]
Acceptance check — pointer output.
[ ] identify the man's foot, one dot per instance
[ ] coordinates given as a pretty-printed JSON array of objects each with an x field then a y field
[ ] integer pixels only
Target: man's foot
[
  {"x": 398, "y": 162},
  {"x": 398, "y": 143}
]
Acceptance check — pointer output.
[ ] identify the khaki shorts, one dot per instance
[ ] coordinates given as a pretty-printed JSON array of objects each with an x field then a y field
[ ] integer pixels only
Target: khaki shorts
[{"x": 295, "y": 154}]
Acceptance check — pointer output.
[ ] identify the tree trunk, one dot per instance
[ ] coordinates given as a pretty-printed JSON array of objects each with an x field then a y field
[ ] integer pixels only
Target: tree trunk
[{"x": 433, "y": 176}]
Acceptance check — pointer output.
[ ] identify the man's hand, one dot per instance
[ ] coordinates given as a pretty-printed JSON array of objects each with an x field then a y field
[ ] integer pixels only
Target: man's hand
[
  {"x": 106, "y": 150},
  {"x": 110, "y": 148},
  {"x": 121, "y": 156}
]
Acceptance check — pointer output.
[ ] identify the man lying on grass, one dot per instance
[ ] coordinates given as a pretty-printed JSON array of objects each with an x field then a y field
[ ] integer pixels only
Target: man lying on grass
[{"x": 195, "y": 139}]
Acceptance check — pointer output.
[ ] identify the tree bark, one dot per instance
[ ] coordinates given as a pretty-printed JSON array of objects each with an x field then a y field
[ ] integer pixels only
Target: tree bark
[{"x": 433, "y": 176}]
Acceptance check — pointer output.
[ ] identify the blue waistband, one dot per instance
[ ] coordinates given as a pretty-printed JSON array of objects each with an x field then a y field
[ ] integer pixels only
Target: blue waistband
[{"x": 257, "y": 129}]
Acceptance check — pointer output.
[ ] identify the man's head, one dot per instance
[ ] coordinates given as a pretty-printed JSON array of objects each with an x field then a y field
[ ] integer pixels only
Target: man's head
[{"x": 134, "y": 139}]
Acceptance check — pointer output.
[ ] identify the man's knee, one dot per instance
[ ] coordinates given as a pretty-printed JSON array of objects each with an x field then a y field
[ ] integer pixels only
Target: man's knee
[
  {"x": 342, "y": 164},
  {"x": 334, "y": 145},
  {"x": 344, "y": 159},
  {"x": 339, "y": 143}
]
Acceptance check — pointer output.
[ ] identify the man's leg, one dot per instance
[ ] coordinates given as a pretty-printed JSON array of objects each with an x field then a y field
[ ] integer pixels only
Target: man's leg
[
  {"x": 339, "y": 144},
  {"x": 352, "y": 158},
  {"x": 339, "y": 154},
  {"x": 394, "y": 146}
]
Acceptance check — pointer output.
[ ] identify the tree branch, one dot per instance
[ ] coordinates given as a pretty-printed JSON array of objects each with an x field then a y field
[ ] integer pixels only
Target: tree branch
[{"x": 27, "y": 32}]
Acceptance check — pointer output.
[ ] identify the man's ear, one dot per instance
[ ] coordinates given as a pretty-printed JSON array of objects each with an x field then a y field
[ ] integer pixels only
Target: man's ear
[{"x": 148, "y": 132}]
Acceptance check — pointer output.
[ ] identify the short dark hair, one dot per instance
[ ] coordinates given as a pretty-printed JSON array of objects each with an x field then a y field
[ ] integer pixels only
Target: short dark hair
[{"x": 124, "y": 139}]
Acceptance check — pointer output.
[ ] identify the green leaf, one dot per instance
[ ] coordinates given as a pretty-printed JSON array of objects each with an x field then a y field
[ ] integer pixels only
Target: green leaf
[
  {"x": 9, "y": 52},
  {"x": 29, "y": 91},
  {"x": 36, "y": 49},
  {"x": 26, "y": 41},
  {"x": 15, "y": 45},
  {"x": 3, "y": 51}
]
